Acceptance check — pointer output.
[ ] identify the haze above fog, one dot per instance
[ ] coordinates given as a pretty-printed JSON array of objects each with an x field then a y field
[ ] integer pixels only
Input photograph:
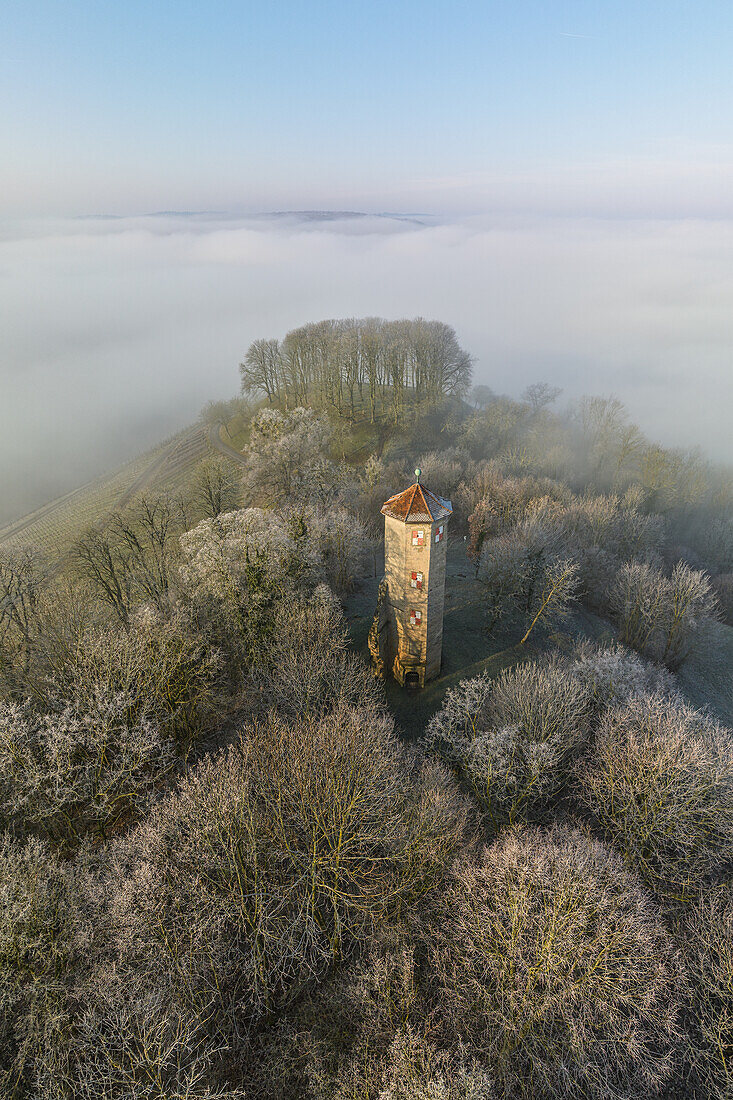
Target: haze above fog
[{"x": 117, "y": 331}]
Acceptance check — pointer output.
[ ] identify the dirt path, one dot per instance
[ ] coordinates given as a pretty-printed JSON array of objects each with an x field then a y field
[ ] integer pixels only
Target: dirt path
[{"x": 223, "y": 448}]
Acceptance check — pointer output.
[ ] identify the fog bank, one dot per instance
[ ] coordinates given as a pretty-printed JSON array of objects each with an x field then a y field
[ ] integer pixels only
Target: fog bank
[{"x": 116, "y": 331}]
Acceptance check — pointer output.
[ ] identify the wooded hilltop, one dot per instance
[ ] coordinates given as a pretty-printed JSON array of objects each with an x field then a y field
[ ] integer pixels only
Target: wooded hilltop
[{"x": 235, "y": 866}]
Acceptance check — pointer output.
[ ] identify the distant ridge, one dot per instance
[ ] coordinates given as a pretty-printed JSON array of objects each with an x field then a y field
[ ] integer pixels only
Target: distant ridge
[{"x": 304, "y": 215}]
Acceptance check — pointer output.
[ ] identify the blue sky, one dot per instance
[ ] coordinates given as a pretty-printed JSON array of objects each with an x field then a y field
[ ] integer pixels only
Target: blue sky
[{"x": 452, "y": 107}]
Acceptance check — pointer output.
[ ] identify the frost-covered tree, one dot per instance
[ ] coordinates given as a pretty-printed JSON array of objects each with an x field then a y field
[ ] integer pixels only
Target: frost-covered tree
[
  {"x": 513, "y": 739},
  {"x": 706, "y": 940},
  {"x": 234, "y": 569},
  {"x": 66, "y": 774},
  {"x": 340, "y": 541},
  {"x": 39, "y": 943},
  {"x": 275, "y": 858},
  {"x": 659, "y": 781},
  {"x": 549, "y": 961},
  {"x": 615, "y": 674},
  {"x": 664, "y": 618},
  {"x": 287, "y": 459},
  {"x": 310, "y": 668},
  {"x": 524, "y": 573}
]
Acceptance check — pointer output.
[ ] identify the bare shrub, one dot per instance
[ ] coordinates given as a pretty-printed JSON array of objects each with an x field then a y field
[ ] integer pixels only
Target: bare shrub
[
  {"x": 551, "y": 965},
  {"x": 277, "y": 857},
  {"x": 416, "y": 1070},
  {"x": 660, "y": 782},
  {"x": 513, "y": 739},
  {"x": 135, "y": 1048},
  {"x": 665, "y": 618},
  {"x": 310, "y": 669},
  {"x": 706, "y": 938},
  {"x": 133, "y": 559},
  {"x": 105, "y": 725},
  {"x": 38, "y": 944}
]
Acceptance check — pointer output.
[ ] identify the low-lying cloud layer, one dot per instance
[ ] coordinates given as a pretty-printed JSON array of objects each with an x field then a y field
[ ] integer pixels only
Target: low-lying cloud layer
[{"x": 117, "y": 331}]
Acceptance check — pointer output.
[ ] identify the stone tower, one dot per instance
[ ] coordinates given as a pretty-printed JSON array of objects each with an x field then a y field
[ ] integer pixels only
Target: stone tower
[{"x": 409, "y": 625}]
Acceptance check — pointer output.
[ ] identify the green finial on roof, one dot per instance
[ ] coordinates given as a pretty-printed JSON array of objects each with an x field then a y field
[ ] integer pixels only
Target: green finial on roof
[{"x": 418, "y": 471}]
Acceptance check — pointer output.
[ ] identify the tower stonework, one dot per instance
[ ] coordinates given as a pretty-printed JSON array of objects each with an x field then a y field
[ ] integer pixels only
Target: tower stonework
[{"x": 409, "y": 621}]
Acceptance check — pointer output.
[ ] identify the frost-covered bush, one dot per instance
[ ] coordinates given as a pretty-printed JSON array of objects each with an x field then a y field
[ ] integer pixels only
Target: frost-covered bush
[
  {"x": 664, "y": 618},
  {"x": 614, "y": 674},
  {"x": 235, "y": 568},
  {"x": 602, "y": 532},
  {"x": 513, "y": 739},
  {"x": 38, "y": 944},
  {"x": 276, "y": 857},
  {"x": 310, "y": 668},
  {"x": 548, "y": 962},
  {"x": 67, "y": 774},
  {"x": 287, "y": 458},
  {"x": 706, "y": 939},
  {"x": 659, "y": 780}
]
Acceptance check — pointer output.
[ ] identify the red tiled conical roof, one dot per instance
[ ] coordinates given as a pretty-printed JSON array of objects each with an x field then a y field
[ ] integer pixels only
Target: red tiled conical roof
[{"x": 417, "y": 504}]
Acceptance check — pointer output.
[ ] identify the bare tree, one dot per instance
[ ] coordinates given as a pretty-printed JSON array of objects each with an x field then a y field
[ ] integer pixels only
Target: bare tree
[
  {"x": 541, "y": 394},
  {"x": 105, "y": 564},
  {"x": 216, "y": 487},
  {"x": 21, "y": 581},
  {"x": 660, "y": 782},
  {"x": 548, "y": 961}
]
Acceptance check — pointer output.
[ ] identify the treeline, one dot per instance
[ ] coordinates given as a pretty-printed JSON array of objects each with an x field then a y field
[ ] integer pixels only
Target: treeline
[{"x": 359, "y": 367}]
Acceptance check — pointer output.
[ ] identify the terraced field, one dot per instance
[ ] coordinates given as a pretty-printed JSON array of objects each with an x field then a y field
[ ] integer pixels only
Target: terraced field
[{"x": 54, "y": 527}]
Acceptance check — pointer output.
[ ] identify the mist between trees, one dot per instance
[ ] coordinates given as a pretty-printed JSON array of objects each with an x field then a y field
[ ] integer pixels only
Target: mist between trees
[{"x": 224, "y": 873}]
